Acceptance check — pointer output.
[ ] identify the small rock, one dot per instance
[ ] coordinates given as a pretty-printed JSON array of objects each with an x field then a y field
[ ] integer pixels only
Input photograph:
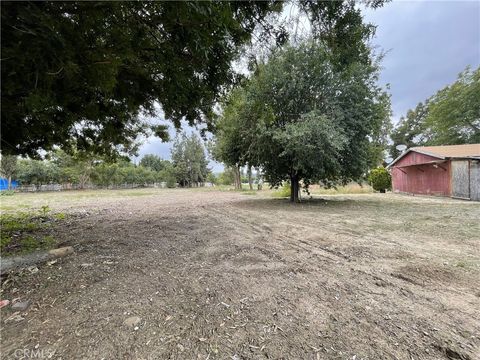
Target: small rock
[
  {"x": 61, "y": 252},
  {"x": 132, "y": 321},
  {"x": 21, "y": 306},
  {"x": 86, "y": 264},
  {"x": 180, "y": 347}
]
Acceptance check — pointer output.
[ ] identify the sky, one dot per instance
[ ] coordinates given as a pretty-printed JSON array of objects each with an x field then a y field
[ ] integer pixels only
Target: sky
[{"x": 427, "y": 44}]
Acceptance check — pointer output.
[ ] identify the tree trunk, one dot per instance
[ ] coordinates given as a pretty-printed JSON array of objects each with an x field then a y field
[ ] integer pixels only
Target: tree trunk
[
  {"x": 259, "y": 179},
  {"x": 9, "y": 183},
  {"x": 238, "y": 178},
  {"x": 249, "y": 172},
  {"x": 294, "y": 188}
]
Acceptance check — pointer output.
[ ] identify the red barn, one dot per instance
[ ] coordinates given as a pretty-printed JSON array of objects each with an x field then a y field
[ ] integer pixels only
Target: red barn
[{"x": 452, "y": 170}]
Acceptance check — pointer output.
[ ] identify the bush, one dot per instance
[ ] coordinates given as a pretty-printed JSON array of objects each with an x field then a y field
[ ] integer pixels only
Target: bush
[{"x": 380, "y": 179}]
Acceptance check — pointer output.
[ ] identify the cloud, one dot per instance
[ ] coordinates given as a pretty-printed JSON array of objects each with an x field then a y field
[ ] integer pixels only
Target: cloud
[{"x": 428, "y": 44}]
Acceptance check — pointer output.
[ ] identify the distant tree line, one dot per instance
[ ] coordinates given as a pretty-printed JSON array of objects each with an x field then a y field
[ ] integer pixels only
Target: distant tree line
[{"x": 187, "y": 168}]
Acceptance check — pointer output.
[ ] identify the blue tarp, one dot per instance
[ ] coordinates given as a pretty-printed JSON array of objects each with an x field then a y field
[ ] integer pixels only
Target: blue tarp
[{"x": 4, "y": 184}]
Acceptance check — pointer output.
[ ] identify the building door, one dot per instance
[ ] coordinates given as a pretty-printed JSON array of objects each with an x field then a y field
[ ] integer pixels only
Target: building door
[
  {"x": 460, "y": 179},
  {"x": 475, "y": 180}
]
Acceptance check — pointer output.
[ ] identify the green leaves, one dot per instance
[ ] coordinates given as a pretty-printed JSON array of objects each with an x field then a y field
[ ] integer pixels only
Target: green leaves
[
  {"x": 302, "y": 117},
  {"x": 454, "y": 112},
  {"x": 189, "y": 160},
  {"x": 380, "y": 179},
  {"x": 83, "y": 73},
  {"x": 451, "y": 116}
]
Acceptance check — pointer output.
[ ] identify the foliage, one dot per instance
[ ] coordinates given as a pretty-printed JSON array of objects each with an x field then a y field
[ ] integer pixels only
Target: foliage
[
  {"x": 8, "y": 167},
  {"x": 226, "y": 177},
  {"x": 211, "y": 178},
  {"x": 37, "y": 172},
  {"x": 83, "y": 73},
  {"x": 189, "y": 160},
  {"x": 449, "y": 117},
  {"x": 74, "y": 167},
  {"x": 153, "y": 162},
  {"x": 454, "y": 112},
  {"x": 411, "y": 129},
  {"x": 301, "y": 117},
  {"x": 24, "y": 232},
  {"x": 168, "y": 175},
  {"x": 380, "y": 179},
  {"x": 82, "y": 169}
]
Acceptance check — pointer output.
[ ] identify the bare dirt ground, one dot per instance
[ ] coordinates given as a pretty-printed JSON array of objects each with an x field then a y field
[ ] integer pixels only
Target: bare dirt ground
[{"x": 221, "y": 275}]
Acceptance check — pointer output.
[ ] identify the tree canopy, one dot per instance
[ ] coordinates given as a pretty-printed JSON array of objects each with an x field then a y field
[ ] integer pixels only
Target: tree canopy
[
  {"x": 410, "y": 130},
  {"x": 454, "y": 112},
  {"x": 86, "y": 71},
  {"x": 83, "y": 74},
  {"x": 153, "y": 162},
  {"x": 189, "y": 160},
  {"x": 301, "y": 117},
  {"x": 450, "y": 117}
]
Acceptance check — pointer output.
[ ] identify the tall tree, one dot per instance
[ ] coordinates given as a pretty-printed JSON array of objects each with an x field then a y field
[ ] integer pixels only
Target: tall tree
[
  {"x": 189, "y": 160},
  {"x": 8, "y": 168},
  {"x": 411, "y": 130},
  {"x": 234, "y": 133},
  {"x": 304, "y": 119}
]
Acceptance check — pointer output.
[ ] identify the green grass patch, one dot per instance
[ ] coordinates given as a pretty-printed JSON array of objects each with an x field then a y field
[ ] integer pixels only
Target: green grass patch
[
  {"x": 282, "y": 192},
  {"x": 249, "y": 192},
  {"x": 23, "y": 232}
]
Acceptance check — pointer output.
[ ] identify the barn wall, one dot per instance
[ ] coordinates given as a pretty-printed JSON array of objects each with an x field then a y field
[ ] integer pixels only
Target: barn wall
[
  {"x": 460, "y": 180},
  {"x": 475, "y": 180},
  {"x": 421, "y": 179}
]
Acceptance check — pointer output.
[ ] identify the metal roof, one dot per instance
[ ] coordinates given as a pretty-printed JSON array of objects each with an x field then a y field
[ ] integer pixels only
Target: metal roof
[{"x": 444, "y": 152}]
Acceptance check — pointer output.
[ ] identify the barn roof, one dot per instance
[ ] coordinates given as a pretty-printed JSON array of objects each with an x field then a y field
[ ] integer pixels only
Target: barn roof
[{"x": 445, "y": 151}]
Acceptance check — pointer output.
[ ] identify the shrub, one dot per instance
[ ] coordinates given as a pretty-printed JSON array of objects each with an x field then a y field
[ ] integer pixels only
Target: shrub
[{"x": 380, "y": 179}]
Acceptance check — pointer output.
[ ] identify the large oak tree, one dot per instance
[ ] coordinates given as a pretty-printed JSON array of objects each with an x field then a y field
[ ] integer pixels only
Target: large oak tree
[
  {"x": 303, "y": 118},
  {"x": 83, "y": 74}
]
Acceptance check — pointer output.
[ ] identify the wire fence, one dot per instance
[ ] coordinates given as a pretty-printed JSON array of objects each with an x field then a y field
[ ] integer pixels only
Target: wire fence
[{"x": 68, "y": 186}]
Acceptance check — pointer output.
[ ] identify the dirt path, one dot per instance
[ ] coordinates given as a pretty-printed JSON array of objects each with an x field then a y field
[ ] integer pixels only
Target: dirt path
[{"x": 222, "y": 275}]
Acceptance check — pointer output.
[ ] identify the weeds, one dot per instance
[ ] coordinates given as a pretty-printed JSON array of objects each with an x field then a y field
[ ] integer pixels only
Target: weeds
[{"x": 24, "y": 232}]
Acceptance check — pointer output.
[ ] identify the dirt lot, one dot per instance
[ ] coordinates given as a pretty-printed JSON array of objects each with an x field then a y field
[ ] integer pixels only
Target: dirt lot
[{"x": 221, "y": 275}]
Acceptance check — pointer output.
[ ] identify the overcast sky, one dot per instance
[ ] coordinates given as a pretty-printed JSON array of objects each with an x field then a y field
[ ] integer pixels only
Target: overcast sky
[{"x": 427, "y": 43}]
